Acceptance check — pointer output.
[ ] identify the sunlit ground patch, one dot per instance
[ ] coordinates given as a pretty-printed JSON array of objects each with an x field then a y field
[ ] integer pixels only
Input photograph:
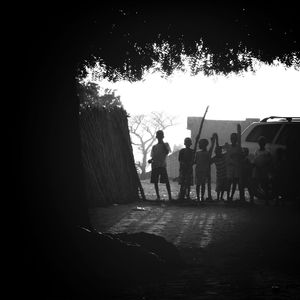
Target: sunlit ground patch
[{"x": 183, "y": 226}]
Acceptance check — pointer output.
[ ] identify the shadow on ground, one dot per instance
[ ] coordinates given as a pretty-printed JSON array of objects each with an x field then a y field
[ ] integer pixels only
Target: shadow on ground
[{"x": 232, "y": 252}]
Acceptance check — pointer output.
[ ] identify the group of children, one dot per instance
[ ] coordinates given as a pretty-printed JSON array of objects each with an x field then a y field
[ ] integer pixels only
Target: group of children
[
  {"x": 234, "y": 169},
  {"x": 227, "y": 168}
]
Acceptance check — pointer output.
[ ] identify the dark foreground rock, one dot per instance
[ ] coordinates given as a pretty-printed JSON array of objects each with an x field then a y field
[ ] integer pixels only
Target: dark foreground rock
[
  {"x": 154, "y": 244},
  {"x": 106, "y": 262}
]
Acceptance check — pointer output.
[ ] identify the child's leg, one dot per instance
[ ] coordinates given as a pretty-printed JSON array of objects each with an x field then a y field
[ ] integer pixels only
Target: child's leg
[
  {"x": 198, "y": 191},
  {"x": 218, "y": 195},
  {"x": 202, "y": 191},
  {"x": 222, "y": 194},
  {"x": 156, "y": 190},
  {"x": 182, "y": 185},
  {"x": 251, "y": 195},
  {"x": 181, "y": 192},
  {"x": 241, "y": 185},
  {"x": 209, "y": 187},
  {"x": 234, "y": 184},
  {"x": 250, "y": 186},
  {"x": 169, "y": 190},
  {"x": 188, "y": 190},
  {"x": 229, "y": 182}
]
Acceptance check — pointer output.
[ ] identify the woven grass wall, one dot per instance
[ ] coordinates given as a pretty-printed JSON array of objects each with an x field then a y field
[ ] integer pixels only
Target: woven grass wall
[{"x": 110, "y": 172}]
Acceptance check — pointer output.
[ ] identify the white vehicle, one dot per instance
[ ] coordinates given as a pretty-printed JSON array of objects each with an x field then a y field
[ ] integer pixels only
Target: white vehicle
[{"x": 276, "y": 130}]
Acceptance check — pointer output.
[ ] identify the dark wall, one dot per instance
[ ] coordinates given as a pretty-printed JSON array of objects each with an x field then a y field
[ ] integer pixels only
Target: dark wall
[{"x": 51, "y": 198}]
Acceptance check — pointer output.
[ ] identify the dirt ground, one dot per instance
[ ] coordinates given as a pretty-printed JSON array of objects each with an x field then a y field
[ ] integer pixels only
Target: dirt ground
[{"x": 236, "y": 251}]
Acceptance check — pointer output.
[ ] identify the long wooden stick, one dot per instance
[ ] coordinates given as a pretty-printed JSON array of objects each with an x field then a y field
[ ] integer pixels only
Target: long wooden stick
[{"x": 200, "y": 129}]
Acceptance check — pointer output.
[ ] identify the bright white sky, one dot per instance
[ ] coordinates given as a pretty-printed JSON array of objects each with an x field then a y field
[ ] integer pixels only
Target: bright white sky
[{"x": 271, "y": 90}]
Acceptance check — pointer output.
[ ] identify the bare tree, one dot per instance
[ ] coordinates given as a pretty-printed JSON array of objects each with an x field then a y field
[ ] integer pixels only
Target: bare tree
[{"x": 143, "y": 134}]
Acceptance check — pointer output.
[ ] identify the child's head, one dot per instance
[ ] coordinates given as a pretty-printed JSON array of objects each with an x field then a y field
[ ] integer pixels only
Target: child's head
[
  {"x": 262, "y": 142},
  {"x": 233, "y": 138},
  {"x": 218, "y": 150},
  {"x": 188, "y": 142},
  {"x": 159, "y": 134},
  {"x": 203, "y": 143}
]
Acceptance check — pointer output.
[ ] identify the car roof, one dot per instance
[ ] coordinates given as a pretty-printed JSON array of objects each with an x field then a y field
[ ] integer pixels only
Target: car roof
[{"x": 280, "y": 119}]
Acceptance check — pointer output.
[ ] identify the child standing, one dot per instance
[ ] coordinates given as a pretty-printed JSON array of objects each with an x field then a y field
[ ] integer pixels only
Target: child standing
[
  {"x": 262, "y": 165},
  {"x": 202, "y": 161},
  {"x": 159, "y": 153},
  {"x": 233, "y": 162},
  {"x": 220, "y": 162},
  {"x": 246, "y": 180},
  {"x": 186, "y": 160}
]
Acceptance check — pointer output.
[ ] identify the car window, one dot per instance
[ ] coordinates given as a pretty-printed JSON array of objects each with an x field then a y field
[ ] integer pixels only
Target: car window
[
  {"x": 292, "y": 130},
  {"x": 267, "y": 130}
]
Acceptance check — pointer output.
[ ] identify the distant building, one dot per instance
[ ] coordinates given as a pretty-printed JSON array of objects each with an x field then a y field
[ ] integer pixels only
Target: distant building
[{"x": 222, "y": 127}]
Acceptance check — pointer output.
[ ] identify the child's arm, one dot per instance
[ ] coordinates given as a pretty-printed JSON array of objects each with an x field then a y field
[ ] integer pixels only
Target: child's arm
[
  {"x": 217, "y": 139},
  {"x": 212, "y": 144},
  {"x": 180, "y": 156},
  {"x": 212, "y": 160},
  {"x": 151, "y": 155},
  {"x": 195, "y": 158},
  {"x": 166, "y": 147}
]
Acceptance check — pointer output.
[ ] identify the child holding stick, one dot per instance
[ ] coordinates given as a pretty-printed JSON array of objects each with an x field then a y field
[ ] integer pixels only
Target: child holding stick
[{"x": 202, "y": 161}]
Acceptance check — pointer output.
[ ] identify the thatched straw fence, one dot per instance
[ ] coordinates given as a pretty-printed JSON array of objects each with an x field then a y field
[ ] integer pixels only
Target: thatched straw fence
[{"x": 110, "y": 172}]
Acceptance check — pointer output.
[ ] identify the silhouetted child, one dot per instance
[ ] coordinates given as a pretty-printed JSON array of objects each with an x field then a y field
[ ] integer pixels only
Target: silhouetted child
[
  {"x": 186, "y": 160},
  {"x": 246, "y": 180},
  {"x": 159, "y": 173},
  {"x": 262, "y": 166},
  {"x": 202, "y": 161},
  {"x": 233, "y": 162},
  {"x": 220, "y": 163}
]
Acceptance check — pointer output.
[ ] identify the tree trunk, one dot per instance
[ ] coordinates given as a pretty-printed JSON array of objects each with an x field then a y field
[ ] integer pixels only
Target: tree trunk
[
  {"x": 143, "y": 166},
  {"x": 143, "y": 174}
]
